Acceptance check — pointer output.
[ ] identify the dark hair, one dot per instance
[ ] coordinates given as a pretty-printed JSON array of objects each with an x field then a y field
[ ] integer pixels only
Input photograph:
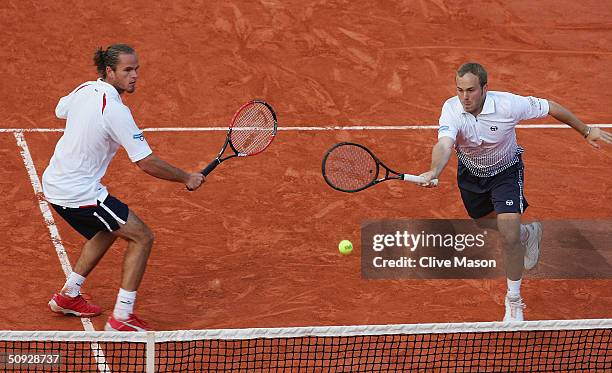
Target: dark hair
[
  {"x": 110, "y": 57},
  {"x": 474, "y": 68}
]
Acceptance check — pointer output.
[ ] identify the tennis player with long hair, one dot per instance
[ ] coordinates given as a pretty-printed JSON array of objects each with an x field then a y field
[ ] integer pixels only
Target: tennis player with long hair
[
  {"x": 97, "y": 124},
  {"x": 480, "y": 125}
]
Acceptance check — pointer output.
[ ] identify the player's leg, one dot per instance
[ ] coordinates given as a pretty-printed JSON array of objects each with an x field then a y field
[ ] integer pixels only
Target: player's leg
[
  {"x": 509, "y": 228},
  {"x": 93, "y": 251},
  {"x": 96, "y": 224},
  {"x": 69, "y": 299},
  {"x": 140, "y": 242},
  {"x": 478, "y": 201},
  {"x": 510, "y": 203}
]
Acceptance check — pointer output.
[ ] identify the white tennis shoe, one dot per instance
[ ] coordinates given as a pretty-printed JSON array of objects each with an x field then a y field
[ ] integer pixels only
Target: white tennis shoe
[
  {"x": 514, "y": 308},
  {"x": 532, "y": 245}
]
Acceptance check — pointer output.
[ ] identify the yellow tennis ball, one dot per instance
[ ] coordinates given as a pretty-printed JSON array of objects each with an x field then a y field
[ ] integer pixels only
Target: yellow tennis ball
[{"x": 345, "y": 247}]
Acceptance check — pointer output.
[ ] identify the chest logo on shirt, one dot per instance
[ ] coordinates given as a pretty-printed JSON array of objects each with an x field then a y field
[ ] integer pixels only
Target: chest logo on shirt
[
  {"x": 138, "y": 136},
  {"x": 494, "y": 128}
]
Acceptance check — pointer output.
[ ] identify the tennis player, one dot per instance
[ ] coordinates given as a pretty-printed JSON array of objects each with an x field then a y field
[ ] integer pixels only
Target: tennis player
[
  {"x": 97, "y": 124},
  {"x": 480, "y": 125}
]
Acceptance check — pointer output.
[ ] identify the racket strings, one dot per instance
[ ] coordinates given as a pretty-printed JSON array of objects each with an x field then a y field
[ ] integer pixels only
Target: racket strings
[
  {"x": 253, "y": 129},
  {"x": 349, "y": 167}
]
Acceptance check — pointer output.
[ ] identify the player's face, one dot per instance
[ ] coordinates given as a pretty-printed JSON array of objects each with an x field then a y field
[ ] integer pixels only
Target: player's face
[
  {"x": 124, "y": 77},
  {"x": 470, "y": 93}
]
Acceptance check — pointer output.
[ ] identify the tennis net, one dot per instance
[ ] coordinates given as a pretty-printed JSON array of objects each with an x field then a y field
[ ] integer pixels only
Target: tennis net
[{"x": 530, "y": 346}]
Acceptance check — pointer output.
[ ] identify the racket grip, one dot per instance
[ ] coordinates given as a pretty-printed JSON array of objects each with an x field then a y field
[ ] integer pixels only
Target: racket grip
[
  {"x": 210, "y": 167},
  {"x": 417, "y": 179}
]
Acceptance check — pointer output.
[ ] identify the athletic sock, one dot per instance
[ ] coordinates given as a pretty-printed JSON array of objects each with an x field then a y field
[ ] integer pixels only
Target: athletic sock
[
  {"x": 73, "y": 284},
  {"x": 514, "y": 288},
  {"x": 125, "y": 304}
]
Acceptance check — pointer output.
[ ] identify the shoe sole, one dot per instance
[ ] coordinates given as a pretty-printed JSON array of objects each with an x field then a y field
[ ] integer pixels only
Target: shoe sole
[
  {"x": 57, "y": 309},
  {"x": 108, "y": 328},
  {"x": 538, "y": 232}
]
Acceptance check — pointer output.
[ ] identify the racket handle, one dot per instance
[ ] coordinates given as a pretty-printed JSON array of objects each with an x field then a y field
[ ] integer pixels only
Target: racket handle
[
  {"x": 210, "y": 167},
  {"x": 417, "y": 179}
]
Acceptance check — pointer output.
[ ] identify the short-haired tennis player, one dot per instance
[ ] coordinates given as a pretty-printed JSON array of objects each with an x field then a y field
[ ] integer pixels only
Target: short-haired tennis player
[
  {"x": 480, "y": 125},
  {"x": 97, "y": 124}
]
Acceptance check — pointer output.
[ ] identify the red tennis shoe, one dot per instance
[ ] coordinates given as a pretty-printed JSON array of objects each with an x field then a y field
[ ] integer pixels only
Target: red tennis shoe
[
  {"x": 77, "y": 306},
  {"x": 132, "y": 324}
]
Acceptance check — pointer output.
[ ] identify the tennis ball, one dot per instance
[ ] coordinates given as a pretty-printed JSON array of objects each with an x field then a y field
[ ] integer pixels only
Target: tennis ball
[{"x": 345, "y": 247}]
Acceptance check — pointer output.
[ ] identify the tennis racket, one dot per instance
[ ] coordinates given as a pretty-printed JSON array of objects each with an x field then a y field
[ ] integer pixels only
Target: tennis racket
[
  {"x": 350, "y": 167},
  {"x": 251, "y": 131}
]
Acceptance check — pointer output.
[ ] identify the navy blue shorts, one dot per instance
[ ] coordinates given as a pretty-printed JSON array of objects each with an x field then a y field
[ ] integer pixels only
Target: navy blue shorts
[
  {"x": 502, "y": 193},
  {"x": 89, "y": 220}
]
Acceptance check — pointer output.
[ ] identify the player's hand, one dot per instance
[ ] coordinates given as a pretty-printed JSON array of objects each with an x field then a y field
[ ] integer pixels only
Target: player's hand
[
  {"x": 194, "y": 181},
  {"x": 598, "y": 134},
  {"x": 428, "y": 176}
]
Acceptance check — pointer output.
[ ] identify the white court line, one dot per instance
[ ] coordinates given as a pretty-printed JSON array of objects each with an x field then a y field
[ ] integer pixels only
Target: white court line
[
  {"x": 311, "y": 128},
  {"x": 55, "y": 236}
]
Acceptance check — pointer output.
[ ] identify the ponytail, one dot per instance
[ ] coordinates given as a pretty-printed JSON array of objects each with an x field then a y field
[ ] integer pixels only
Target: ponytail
[{"x": 99, "y": 62}]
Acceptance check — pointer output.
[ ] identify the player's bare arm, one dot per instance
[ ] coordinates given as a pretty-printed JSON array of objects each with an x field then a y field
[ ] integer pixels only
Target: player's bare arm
[
  {"x": 155, "y": 166},
  {"x": 592, "y": 134},
  {"x": 439, "y": 158}
]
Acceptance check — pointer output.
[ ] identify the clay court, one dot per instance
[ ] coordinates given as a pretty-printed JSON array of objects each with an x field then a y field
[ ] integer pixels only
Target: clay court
[{"x": 267, "y": 227}]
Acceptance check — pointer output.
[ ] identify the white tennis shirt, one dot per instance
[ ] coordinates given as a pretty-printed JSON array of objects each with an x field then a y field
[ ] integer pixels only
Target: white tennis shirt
[
  {"x": 97, "y": 124},
  {"x": 486, "y": 144}
]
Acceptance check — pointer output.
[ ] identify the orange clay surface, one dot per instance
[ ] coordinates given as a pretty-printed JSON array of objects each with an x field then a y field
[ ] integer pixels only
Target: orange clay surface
[{"x": 266, "y": 228}]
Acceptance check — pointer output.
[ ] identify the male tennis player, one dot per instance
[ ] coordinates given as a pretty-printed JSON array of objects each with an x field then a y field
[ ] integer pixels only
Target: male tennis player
[
  {"x": 480, "y": 125},
  {"x": 97, "y": 124}
]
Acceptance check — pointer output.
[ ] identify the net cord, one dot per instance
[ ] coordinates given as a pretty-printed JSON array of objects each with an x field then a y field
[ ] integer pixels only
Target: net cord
[{"x": 321, "y": 331}]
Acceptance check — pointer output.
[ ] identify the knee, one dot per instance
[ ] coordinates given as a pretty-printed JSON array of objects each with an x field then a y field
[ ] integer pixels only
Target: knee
[{"x": 511, "y": 240}]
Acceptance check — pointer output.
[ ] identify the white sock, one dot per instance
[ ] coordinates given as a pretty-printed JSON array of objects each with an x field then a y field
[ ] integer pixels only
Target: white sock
[
  {"x": 73, "y": 284},
  {"x": 524, "y": 233},
  {"x": 514, "y": 288},
  {"x": 125, "y": 304}
]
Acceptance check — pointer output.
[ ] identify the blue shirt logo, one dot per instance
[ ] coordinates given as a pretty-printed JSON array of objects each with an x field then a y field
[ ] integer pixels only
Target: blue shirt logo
[
  {"x": 443, "y": 128},
  {"x": 138, "y": 136}
]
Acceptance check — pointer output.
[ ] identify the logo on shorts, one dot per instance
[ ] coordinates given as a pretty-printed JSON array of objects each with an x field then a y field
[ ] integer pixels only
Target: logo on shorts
[
  {"x": 443, "y": 128},
  {"x": 138, "y": 136},
  {"x": 494, "y": 128},
  {"x": 509, "y": 202}
]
